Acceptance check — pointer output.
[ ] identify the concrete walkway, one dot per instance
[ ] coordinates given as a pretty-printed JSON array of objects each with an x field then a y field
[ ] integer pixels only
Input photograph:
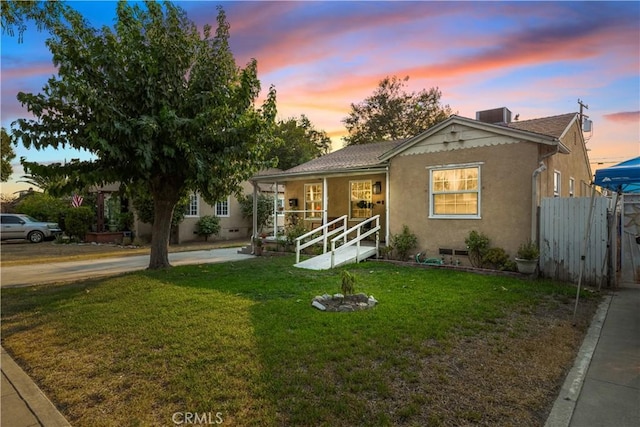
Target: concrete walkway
[{"x": 603, "y": 387}]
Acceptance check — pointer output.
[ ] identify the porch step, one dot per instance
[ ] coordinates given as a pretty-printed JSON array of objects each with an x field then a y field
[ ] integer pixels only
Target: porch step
[
  {"x": 346, "y": 255},
  {"x": 245, "y": 250}
]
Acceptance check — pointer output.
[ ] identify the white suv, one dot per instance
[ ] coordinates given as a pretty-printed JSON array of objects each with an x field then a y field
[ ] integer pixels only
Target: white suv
[{"x": 19, "y": 226}]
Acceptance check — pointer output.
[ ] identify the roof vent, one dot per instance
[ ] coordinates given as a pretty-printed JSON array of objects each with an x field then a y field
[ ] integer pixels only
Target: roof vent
[{"x": 495, "y": 116}]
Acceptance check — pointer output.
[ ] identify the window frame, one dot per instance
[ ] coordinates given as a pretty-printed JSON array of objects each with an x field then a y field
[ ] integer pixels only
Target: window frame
[
  {"x": 194, "y": 199},
  {"x": 368, "y": 200},
  {"x": 433, "y": 194},
  {"x": 572, "y": 187},
  {"x": 218, "y": 205},
  {"x": 309, "y": 213},
  {"x": 557, "y": 183}
]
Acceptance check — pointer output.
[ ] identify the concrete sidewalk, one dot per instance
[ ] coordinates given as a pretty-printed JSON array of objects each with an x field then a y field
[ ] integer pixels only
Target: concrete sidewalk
[{"x": 603, "y": 387}]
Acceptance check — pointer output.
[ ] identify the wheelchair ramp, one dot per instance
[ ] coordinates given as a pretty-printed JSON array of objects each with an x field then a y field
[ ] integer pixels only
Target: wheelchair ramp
[{"x": 344, "y": 255}]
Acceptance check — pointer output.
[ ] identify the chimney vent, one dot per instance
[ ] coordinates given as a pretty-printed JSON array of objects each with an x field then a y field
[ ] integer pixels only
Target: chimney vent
[{"x": 496, "y": 116}]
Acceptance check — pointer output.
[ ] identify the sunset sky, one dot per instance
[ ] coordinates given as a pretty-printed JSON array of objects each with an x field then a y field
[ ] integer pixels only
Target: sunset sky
[{"x": 535, "y": 58}]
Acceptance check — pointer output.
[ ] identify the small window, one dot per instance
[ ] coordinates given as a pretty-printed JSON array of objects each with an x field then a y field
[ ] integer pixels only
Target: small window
[
  {"x": 360, "y": 203},
  {"x": 312, "y": 201},
  {"x": 455, "y": 192},
  {"x": 572, "y": 187},
  {"x": 556, "y": 183},
  {"x": 192, "y": 206},
  {"x": 222, "y": 208},
  {"x": 8, "y": 219}
]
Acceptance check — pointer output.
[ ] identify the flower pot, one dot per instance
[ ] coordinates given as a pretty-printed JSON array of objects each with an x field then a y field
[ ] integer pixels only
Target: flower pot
[{"x": 526, "y": 266}]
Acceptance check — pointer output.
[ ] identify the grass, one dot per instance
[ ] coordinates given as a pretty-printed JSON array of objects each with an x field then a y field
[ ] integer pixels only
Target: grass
[{"x": 240, "y": 340}]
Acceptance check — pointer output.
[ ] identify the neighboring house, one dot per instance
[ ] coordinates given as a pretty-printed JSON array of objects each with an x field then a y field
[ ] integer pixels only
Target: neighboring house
[
  {"x": 488, "y": 175},
  {"x": 232, "y": 224}
]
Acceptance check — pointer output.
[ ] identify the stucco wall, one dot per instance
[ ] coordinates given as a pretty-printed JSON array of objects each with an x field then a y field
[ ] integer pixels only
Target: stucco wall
[
  {"x": 506, "y": 193},
  {"x": 338, "y": 197}
]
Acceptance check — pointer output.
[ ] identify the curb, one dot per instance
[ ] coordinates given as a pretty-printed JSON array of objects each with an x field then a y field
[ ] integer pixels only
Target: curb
[
  {"x": 565, "y": 404},
  {"x": 36, "y": 401}
]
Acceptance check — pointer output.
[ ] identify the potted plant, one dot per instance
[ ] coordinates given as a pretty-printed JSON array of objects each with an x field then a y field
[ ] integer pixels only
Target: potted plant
[
  {"x": 258, "y": 244},
  {"x": 527, "y": 257}
]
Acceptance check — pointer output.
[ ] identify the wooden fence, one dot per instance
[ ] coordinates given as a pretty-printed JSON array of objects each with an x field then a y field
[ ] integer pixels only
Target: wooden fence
[{"x": 563, "y": 227}]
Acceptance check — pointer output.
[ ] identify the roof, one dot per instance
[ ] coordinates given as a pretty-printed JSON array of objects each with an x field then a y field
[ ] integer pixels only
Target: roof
[
  {"x": 554, "y": 126},
  {"x": 349, "y": 158},
  {"x": 545, "y": 130}
]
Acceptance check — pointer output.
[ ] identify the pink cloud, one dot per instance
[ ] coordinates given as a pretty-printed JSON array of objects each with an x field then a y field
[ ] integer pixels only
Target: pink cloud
[{"x": 623, "y": 117}]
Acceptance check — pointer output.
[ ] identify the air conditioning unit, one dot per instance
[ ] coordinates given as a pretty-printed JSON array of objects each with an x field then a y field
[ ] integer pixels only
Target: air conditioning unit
[{"x": 494, "y": 116}]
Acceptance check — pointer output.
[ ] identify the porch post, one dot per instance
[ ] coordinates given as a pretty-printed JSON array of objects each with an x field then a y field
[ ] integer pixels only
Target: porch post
[
  {"x": 325, "y": 200},
  {"x": 275, "y": 210},
  {"x": 387, "y": 221},
  {"x": 254, "y": 233}
]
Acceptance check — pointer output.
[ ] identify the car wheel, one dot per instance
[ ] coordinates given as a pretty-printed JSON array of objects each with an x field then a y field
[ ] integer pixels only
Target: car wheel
[{"x": 36, "y": 237}]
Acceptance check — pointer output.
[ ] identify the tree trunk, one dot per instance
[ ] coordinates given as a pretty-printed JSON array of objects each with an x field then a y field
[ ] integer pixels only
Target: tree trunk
[{"x": 160, "y": 232}]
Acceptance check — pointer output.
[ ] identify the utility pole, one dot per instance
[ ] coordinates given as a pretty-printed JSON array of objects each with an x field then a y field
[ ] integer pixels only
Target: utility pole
[{"x": 583, "y": 107}]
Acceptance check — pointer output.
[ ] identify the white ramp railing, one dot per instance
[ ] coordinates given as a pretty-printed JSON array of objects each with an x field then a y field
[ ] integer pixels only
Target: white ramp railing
[
  {"x": 327, "y": 230},
  {"x": 360, "y": 235}
]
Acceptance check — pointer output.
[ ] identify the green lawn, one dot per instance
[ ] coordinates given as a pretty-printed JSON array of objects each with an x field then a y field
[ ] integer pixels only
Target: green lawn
[{"x": 240, "y": 341}]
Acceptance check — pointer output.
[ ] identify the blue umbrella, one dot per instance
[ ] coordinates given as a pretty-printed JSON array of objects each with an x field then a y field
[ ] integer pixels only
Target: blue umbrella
[{"x": 623, "y": 177}]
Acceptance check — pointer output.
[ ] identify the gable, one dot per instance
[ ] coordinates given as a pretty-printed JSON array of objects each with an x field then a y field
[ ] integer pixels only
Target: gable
[{"x": 456, "y": 137}]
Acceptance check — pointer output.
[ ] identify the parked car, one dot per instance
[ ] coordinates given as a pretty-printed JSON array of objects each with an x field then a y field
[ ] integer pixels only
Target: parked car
[{"x": 20, "y": 226}]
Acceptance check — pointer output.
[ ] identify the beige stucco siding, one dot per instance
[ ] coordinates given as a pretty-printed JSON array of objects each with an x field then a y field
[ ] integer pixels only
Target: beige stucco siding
[
  {"x": 505, "y": 197},
  {"x": 338, "y": 197},
  {"x": 573, "y": 165}
]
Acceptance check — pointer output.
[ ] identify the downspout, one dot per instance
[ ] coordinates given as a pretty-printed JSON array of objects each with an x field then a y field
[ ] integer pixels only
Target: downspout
[
  {"x": 386, "y": 208},
  {"x": 534, "y": 199},
  {"x": 534, "y": 193}
]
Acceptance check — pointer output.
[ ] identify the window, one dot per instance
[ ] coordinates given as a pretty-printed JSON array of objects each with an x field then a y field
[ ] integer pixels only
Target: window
[
  {"x": 455, "y": 192},
  {"x": 222, "y": 208},
  {"x": 572, "y": 187},
  {"x": 360, "y": 205},
  {"x": 556, "y": 184},
  {"x": 313, "y": 201},
  {"x": 8, "y": 219},
  {"x": 192, "y": 206}
]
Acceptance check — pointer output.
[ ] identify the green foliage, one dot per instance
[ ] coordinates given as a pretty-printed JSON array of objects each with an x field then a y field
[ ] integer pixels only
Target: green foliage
[
  {"x": 16, "y": 14},
  {"x": 164, "y": 106},
  {"x": 78, "y": 221},
  {"x": 42, "y": 207},
  {"x": 478, "y": 245},
  {"x": 7, "y": 154},
  {"x": 294, "y": 230},
  {"x": 301, "y": 142},
  {"x": 265, "y": 208},
  {"x": 528, "y": 250},
  {"x": 497, "y": 259},
  {"x": 143, "y": 205},
  {"x": 390, "y": 113},
  {"x": 208, "y": 225},
  {"x": 348, "y": 283},
  {"x": 404, "y": 242}
]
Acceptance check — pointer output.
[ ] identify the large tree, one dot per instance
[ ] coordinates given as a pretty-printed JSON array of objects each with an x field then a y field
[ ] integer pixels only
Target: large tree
[
  {"x": 301, "y": 142},
  {"x": 7, "y": 154},
  {"x": 391, "y": 113},
  {"x": 157, "y": 103}
]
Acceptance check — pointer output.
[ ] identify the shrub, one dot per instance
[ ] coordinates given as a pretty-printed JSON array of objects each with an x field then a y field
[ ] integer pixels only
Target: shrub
[
  {"x": 528, "y": 250},
  {"x": 78, "y": 221},
  {"x": 497, "y": 259},
  {"x": 208, "y": 225},
  {"x": 404, "y": 242},
  {"x": 348, "y": 283},
  {"x": 478, "y": 245},
  {"x": 42, "y": 207}
]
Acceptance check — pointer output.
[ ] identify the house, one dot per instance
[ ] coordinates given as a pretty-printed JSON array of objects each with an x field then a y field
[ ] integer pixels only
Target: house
[{"x": 487, "y": 174}]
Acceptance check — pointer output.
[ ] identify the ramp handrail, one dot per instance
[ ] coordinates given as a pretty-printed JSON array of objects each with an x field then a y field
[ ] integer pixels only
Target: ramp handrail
[
  {"x": 356, "y": 240},
  {"x": 326, "y": 233}
]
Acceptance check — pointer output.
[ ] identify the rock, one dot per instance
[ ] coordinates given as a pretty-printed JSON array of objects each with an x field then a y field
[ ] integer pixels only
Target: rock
[
  {"x": 319, "y": 306},
  {"x": 345, "y": 308},
  {"x": 372, "y": 301},
  {"x": 326, "y": 297},
  {"x": 338, "y": 296}
]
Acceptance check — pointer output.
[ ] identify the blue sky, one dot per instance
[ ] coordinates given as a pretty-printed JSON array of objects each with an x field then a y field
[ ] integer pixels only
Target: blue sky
[{"x": 535, "y": 58}]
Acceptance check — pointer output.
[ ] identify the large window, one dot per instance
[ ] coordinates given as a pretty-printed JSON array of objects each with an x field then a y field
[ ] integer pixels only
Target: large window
[
  {"x": 313, "y": 201},
  {"x": 192, "y": 207},
  {"x": 360, "y": 204},
  {"x": 222, "y": 208},
  {"x": 455, "y": 192}
]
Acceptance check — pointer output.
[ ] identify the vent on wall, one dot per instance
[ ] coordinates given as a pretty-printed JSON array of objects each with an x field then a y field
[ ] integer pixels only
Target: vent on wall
[{"x": 495, "y": 116}]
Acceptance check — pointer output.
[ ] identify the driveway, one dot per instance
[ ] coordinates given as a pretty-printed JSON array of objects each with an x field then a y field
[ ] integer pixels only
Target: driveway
[{"x": 35, "y": 274}]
